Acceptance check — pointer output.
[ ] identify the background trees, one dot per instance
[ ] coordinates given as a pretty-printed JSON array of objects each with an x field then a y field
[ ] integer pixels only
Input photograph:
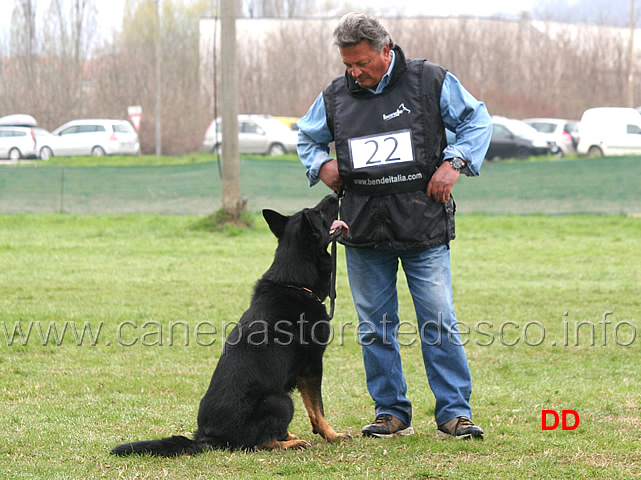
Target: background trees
[{"x": 56, "y": 63}]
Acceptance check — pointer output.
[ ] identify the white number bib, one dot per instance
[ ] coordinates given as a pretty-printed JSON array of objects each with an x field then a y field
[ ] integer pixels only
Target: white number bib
[{"x": 380, "y": 150}]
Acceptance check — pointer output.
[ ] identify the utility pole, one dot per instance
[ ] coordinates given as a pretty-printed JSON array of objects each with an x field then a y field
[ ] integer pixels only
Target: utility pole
[
  {"x": 631, "y": 56},
  {"x": 230, "y": 166},
  {"x": 229, "y": 92},
  {"x": 158, "y": 91}
]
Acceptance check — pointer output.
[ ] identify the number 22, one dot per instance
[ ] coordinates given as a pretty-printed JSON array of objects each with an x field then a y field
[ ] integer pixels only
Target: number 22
[{"x": 389, "y": 158}]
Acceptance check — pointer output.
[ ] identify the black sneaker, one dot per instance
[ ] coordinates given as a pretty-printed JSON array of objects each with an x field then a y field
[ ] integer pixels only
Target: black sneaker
[
  {"x": 460, "y": 428},
  {"x": 387, "y": 426}
]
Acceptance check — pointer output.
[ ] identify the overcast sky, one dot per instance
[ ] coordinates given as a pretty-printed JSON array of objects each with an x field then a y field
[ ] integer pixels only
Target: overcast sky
[
  {"x": 110, "y": 11},
  {"x": 454, "y": 7}
]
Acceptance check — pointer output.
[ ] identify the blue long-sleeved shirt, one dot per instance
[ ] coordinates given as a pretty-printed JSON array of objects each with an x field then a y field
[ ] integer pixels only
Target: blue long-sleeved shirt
[{"x": 461, "y": 112}]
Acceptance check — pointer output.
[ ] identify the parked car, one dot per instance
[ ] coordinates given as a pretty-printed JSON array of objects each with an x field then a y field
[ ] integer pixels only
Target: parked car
[
  {"x": 18, "y": 136},
  {"x": 17, "y": 143},
  {"x": 516, "y": 139},
  {"x": 262, "y": 134},
  {"x": 91, "y": 137},
  {"x": 565, "y": 133},
  {"x": 610, "y": 131}
]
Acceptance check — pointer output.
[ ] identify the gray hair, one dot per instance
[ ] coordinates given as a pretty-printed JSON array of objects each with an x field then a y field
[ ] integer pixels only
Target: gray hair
[{"x": 353, "y": 28}]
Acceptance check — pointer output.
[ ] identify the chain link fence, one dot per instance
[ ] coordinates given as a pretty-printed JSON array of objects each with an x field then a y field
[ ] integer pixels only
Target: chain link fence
[
  {"x": 598, "y": 186},
  {"x": 175, "y": 189}
]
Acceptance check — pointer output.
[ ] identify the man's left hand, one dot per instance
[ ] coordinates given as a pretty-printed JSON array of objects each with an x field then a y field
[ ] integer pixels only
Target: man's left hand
[{"x": 442, "y": 181}]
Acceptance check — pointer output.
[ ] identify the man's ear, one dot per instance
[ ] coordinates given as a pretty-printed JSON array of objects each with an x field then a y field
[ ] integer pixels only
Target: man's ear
[{"x": 276, "y": 222}]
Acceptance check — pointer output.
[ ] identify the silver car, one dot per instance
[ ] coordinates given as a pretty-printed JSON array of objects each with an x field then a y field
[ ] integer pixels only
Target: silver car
[
  {"x": 565, "y": 133},
  {"x": 262, "y": 134},
  {"x": 91, "y": 137}
]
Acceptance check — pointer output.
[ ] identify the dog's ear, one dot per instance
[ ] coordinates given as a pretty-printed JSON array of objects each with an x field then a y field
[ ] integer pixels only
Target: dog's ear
[
  {"x": 312, "y": 224},
  {"x": 276, "y": 222}
]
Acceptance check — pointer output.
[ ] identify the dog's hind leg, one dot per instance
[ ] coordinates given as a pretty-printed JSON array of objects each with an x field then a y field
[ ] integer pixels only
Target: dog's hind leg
[
  {"x": 270, "y": 421},
  {"x": 291, "y": 441},
  {"x": 295, "y": 443},
  {"x": 276, "y": 411},
  {"x": 309, "y": 387}
]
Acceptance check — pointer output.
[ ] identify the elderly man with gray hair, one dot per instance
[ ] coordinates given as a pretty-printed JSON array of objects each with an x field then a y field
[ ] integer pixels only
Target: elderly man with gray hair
[{"x": 387, "y": 117}]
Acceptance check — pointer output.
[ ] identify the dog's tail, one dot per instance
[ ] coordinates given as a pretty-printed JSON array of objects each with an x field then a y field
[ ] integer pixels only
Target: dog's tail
[{"x": 164, "y": 447}]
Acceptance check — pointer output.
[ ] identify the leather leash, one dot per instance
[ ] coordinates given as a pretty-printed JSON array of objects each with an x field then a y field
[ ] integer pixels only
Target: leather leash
[{"x": 332, "y": 282}]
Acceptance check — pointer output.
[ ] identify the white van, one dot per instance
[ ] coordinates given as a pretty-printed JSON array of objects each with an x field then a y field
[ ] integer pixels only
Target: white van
[{"x": 610, "y": 131}]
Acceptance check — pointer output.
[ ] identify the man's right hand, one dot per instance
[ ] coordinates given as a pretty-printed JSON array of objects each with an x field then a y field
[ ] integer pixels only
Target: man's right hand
[{"x": 328, "y": 173}]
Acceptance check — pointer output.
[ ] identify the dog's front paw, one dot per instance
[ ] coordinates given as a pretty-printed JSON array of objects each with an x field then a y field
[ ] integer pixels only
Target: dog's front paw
[
  {"x": 297, "y": 444},
  {"x": 335, "y": 436}
]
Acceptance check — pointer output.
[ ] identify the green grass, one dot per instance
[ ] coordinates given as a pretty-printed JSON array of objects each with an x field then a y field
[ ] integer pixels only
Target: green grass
[{"x": 64, "y": 407}]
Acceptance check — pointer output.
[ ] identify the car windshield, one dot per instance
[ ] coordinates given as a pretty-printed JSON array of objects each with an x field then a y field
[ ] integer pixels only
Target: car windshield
[
  {"x": 544, "y": 127},
  {"x": 521, "y": 129}
]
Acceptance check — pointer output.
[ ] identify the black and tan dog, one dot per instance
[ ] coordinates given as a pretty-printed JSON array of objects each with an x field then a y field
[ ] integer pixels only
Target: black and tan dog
[{"x": 277, "y": 346}]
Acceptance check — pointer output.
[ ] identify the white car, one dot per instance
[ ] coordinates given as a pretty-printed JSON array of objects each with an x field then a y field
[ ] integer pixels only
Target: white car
[
  {"x": 565, "y": 133},
  {"x": 17, "y": 143},
  {"x": 262, "y": 134},
  {"x": 91, "y": 137},
  {"x": 18, "y": 136}
]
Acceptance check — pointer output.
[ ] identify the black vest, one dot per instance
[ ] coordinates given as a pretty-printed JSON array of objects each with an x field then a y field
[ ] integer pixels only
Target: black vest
[{"x": 388, "y": 147}]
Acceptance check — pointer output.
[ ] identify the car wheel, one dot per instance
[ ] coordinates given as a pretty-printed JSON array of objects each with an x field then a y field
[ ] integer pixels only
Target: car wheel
[
  {"x": 277, "y": 149},
  {"x": 14, "y": 154},
  {"x": 522, "y": 153},
  {"x": 45, "y": 153},
  {"x": 97, "y": 151},
  {"x": 595, "y": 151}
]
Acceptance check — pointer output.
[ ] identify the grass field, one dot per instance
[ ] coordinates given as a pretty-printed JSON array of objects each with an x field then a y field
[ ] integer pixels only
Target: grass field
[{"x": 153, "y": 289}]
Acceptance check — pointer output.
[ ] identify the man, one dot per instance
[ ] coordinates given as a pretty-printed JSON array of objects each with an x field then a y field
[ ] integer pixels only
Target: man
[{"x": 386, "y": 116}]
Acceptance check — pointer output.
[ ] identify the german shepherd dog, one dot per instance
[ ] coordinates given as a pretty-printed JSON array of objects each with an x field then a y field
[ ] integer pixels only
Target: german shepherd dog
[{"x": 277, "y": 346}]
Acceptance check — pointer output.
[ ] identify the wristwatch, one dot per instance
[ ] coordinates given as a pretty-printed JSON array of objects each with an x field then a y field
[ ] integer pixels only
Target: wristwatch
[{"x": 457, "y": 163}]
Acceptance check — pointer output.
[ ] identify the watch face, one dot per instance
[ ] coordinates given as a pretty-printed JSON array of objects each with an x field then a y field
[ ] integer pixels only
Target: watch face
[{"x": 456, "y": 163}]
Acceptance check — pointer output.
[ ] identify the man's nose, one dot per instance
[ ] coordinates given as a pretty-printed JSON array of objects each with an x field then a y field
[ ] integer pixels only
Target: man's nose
[{"x": 356, "y": 72}]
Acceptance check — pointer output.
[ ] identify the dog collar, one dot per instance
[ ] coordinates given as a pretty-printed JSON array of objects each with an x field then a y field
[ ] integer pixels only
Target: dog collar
[{"x": 304, "y": 289}]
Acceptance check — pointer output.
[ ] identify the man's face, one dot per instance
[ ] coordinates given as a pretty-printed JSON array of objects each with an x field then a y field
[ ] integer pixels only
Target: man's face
[{"x": 365, "y": 64}]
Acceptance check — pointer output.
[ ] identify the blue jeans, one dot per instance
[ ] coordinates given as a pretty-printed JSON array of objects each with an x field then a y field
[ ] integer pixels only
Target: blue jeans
[{"x": 372, "y": 277}]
